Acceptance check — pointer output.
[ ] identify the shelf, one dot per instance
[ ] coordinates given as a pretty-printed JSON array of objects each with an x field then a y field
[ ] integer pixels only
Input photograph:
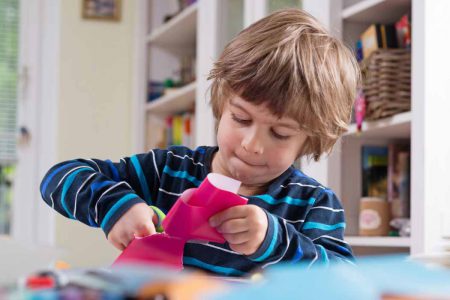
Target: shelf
[
  {"x": 397, "y": 126},
  {"x": 177, "y": 34},
  {"x": 382, "y": 241},
  {"x": 179, "y": 100},
  {"x": 376, "y": 11}
]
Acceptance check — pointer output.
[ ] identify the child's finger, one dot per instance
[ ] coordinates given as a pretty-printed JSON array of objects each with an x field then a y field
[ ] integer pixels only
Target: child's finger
[
  {"x": 233, "y": 226},
  {"x": 234, "y": 212},
  {"x": 117, "y": 244},
  {"x": 126, "y": 239},
  {"x": 145, "y": 229}
]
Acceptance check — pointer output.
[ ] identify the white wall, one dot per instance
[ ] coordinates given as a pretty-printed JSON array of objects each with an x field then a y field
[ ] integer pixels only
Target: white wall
[{"x": 95, "y": 111}]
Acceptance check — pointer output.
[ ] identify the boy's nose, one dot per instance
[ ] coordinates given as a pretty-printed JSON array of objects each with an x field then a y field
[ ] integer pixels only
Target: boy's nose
[{"x": 252, "y": 144}]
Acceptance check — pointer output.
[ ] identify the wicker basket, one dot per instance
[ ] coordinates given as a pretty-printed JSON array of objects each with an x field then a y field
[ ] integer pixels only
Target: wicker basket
[{"x": 387, "y": 82}]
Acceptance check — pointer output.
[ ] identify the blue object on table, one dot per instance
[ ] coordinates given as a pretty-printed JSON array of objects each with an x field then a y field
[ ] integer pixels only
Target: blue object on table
[{"x": 369, "y": 280}]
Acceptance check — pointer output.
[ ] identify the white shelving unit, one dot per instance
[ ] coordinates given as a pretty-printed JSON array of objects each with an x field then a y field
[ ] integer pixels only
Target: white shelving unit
[
  {"x": 355, "y": 18},
  {"x": 179, "y": 32},
  {"x": 165, "y": 44},
  {"x": 397, "y": 126},
  {"x": 182, "y": 99},
  {"x": 200, "y": 29},
  {"x": 423, "y": 126},
  {"x": 377, "y": 11}
]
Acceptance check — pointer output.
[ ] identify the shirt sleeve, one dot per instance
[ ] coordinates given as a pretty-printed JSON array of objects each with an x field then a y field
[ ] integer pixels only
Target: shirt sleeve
[
  {"x": 98, "y": 192},
  {"x": 317, "y": 239}
]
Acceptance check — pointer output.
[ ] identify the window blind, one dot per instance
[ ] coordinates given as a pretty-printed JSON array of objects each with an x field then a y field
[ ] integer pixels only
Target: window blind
[{"x": 9, "y": 34}]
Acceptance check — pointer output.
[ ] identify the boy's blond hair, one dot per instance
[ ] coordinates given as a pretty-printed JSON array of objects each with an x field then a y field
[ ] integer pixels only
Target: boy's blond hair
[{"x": 289, "y": 62}]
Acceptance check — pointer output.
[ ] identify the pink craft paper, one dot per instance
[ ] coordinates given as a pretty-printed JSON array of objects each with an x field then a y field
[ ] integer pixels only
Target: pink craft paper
[
  {"x": 186, "y": 220},
  {"x": 157, "y": 249}
]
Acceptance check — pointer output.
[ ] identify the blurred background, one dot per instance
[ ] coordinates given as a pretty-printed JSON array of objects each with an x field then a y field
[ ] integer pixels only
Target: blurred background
[{"x": 109, "y": 78}]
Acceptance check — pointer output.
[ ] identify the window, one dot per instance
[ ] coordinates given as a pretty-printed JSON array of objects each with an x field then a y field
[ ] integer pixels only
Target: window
[{"x": 9, "y": 31}]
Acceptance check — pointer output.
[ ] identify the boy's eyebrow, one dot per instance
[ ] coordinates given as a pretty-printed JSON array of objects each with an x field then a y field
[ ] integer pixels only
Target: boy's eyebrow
[
  {"x": 283, "y": 124},
  {"x": 238, "y": 106}
]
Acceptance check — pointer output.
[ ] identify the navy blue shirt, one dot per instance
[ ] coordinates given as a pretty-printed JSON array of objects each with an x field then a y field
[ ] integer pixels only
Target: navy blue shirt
[{"x": 305, "y": 220}]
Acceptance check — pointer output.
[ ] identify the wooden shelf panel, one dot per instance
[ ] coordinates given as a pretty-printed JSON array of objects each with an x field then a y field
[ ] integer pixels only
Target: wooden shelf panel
[
  {"x": 176, "y": 101},
  {"x": 397, "y": 126},
  {"x": 376, "y": 11},
  {"x": 382, "y": 241},
  {"x": 178, "y": 33}
]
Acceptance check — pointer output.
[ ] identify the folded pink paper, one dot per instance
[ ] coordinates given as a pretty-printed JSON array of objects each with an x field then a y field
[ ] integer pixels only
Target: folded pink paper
[{"x": 186, "y": 220}]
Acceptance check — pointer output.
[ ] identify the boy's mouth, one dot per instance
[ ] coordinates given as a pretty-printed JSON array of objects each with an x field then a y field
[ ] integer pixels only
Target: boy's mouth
[{"x": 247, "y": 162}]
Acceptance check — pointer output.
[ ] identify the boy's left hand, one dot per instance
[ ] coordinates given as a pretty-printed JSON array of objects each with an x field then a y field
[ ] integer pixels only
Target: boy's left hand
[{"x": 244, "y": 227}]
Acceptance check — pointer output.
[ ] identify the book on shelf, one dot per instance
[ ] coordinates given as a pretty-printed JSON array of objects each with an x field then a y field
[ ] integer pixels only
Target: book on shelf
[
  {"x": 171, "y": 130},
  {"x": 378, "y": 36},
  {"x": 374, "y": 171},
  {"x": 384, "y": 36},
  {"x": 179, "y": 130},
  {"x": 168, "y": 136},
  {"x": 188, "y": 120},
  {"x": 399, "y": 179}
]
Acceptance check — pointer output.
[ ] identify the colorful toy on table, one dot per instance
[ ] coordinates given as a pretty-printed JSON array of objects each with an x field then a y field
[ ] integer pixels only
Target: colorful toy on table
[{"x": 186, "y": 220}]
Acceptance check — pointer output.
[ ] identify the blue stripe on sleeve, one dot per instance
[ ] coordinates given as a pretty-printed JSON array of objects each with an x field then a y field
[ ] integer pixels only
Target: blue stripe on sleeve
[
  {"x": 142, "y": 180},
  {"x": 114, "y": 171},
  {"x": 182, "y": 175},
  {"x": 217, "y": 269},
  {"x": 99, "y": 184},
  {"x": 321, "y": 226},
  {"x": 67, "y": 184},
  {"x": 116, "y": 207},
  {"x": 271, "y": 247},
  {"x": 50, "y": 177},
  {"x": 289, "y": 200}
]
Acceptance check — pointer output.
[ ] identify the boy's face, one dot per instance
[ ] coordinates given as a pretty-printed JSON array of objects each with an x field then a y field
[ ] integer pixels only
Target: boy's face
[{"x": 255, "y": 146}]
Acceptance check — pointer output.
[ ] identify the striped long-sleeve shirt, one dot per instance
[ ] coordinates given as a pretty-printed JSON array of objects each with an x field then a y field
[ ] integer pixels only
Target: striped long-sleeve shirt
[{"x": 305, "y": 220}]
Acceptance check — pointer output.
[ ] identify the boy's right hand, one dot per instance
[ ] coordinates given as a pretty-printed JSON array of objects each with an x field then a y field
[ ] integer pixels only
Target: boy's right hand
[{"x": 139, "y": 221}]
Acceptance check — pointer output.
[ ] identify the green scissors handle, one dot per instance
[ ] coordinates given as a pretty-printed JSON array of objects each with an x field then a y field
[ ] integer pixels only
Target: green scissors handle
[{"x": 160, "y": 216}]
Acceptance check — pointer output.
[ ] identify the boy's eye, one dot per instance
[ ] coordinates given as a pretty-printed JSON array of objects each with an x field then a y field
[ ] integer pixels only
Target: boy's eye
[
  {"x": 240, "y": 120},
  {"x": 279, "y": 136}
]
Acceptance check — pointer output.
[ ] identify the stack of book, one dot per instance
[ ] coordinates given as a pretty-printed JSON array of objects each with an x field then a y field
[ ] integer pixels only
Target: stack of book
[
  {"x": 176, "y": 129},
  {"x": 384, "y": 36}
]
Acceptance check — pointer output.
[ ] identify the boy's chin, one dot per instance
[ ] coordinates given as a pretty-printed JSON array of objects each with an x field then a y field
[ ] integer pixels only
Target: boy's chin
[{"x": 248, "y": 178}]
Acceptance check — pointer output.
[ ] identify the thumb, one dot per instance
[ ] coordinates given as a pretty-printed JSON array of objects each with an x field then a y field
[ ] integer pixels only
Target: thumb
[{"x": 145, "y": 229}]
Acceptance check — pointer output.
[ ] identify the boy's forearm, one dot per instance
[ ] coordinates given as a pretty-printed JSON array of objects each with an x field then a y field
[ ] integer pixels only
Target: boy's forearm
[
  {"x": 84, "y": 190},
  {"x": 284, "y": 242}
]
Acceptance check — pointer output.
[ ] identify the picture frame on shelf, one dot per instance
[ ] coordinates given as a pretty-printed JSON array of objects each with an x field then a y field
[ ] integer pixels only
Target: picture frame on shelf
[{"x": 106, "y": 10}]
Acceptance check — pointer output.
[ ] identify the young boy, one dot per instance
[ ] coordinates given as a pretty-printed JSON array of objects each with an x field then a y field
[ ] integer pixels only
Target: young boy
[{"x": 282, "y": 89}]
